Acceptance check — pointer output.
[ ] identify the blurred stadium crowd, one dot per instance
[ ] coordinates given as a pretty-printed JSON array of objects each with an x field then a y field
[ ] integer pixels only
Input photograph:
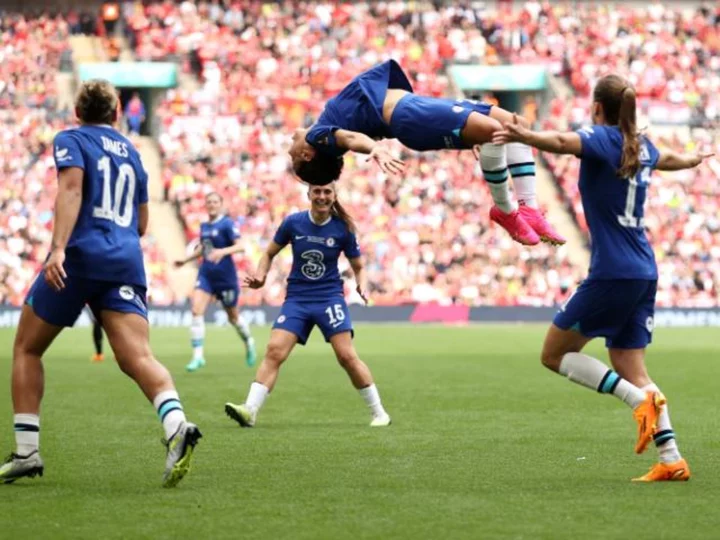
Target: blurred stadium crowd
[{"x": 265, "y": 69}]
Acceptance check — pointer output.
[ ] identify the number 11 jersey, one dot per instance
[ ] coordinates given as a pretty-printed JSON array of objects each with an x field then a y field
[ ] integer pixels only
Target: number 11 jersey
[
  {"x": 615, "y": 207},
  {"x": 105, "y": 243}
]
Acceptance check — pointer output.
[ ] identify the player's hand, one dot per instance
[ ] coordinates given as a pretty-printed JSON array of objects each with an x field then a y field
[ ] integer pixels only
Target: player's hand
[
  {"x": 178, "y": 263},
  {"x": 387, "y": 163},
  {"x": 54, "y": 271},
  {"x": 511, "y": 132},
  {"x": 253, "y": 281},
  {"x": 363, "y": 294},
  {"x": 702, "y": 156},
  {"x": 215, "y": 256}
]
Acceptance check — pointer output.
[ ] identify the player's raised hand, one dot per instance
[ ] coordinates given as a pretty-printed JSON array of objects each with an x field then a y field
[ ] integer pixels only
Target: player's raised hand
[
  {"x": 702, "y": 156},
  {"x": 388, "y": 164},
  {"x": 253, "y": 281},
  {"x": 54, "y": 271},
  {"x": 178, "y": 263}
]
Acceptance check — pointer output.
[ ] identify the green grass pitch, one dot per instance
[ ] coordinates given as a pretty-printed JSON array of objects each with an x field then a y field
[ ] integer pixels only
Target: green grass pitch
[{"x": 484, "y": 444}]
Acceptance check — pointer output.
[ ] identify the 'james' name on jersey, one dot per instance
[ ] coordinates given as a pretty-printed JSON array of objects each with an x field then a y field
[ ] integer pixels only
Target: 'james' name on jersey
[{"x": 105, "y": 243}]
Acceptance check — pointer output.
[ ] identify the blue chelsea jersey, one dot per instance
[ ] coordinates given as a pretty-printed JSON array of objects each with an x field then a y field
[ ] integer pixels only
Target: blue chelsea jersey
[
  {"x": 105, "y": 243},
  {"x": 358, "y": 107},
  {"x": 316, "y": 249},
  {"x": 615, "y": 207},
  {"x": 218, "y": 234}
]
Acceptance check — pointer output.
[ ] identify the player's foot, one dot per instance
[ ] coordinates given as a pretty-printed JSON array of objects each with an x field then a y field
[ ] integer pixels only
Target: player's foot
[
  {"x": 97, "y": 357},
  {"x": 16, "y": 466},
  {"x": 179, "y": 453},
  {"x": 666, "y": 472},
  {"x": 241, "y": 414},
  {"x": 515, "y": 224},
  {"x": 195, "y": 364},
  {"x": 381, "y": 420},
  {"x": 250, "y": 354},
  {"x": 536, "y": 219},
  {"x": 646, "y": 414}
]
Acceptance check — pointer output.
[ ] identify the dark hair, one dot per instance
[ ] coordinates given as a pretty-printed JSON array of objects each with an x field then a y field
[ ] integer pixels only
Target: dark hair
[
  {"x": 338, "y": 210},
  {"x": 617, "y": 98},
  {"x": 96, "y": 102},
  {"x": 320, "y": 170}
]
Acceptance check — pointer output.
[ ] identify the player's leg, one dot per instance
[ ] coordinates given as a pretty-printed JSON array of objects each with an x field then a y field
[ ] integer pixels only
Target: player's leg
[
  {"x": 630, "y": 364},
  {"x": 201, "y": 297},
  {"x": 333, "y": 319},
  {"x": 627, "y": 354},
  {"x": 97, "y": 340},
  {"x": 360, "y": 376},
  {"x": 123, "y": 316},
  {"x": 229, "y": 299},
  {"x": 521, "y": 165},
  {"x": 598, "y": 308},
  {"x": 43, "y": 316},
  {"x": 282, "y": 341},
  {"x": 494, "y": 163}
]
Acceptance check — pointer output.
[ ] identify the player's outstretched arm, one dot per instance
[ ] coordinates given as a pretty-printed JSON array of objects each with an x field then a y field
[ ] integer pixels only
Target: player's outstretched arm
[
  {"x": 359, "y": 142},
  {"x": 67, "y": 208},
  {"x": 358, "y": 268},
  {"x": 556, "y": 142},
  {"x": 257, "y": 280},
  {"x": 672, "y": 161},
  {"x": 194, "y": 255}
]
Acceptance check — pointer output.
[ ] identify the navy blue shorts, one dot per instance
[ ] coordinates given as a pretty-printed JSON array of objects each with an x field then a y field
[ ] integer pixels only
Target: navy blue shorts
[
  {"x": 332, "y": 316},
  {"x": 424, "y": 123},
  {"x": 227, "y": 293},
  {"x": 620, "y": 310},
  {"x": 62, "y": 308}
]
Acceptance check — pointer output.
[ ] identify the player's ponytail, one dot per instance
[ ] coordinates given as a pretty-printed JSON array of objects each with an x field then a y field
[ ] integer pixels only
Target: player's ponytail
[
  {"x": 627, "y": 120},
  {"x": 617, "y": 98},
  {"x": 338, "y": 210}
]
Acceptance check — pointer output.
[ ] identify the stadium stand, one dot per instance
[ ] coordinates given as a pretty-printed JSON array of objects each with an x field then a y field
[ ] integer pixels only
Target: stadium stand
[{"x": 264, "y": 69}]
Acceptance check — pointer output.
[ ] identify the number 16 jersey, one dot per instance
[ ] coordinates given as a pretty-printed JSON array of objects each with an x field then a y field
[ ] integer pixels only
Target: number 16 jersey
[
  {"x": 615, "y": 207},
  {"x": 105, "y": 243},
  {"x": 316, "y": 249}
]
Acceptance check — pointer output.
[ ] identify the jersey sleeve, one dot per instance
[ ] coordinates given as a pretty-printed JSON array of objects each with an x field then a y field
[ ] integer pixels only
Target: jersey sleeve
[
  {"x": 653, "y": 154},
  {"x": 283, "y": 234},
  {"x": 595, "y": 143},
  {"x": 352, "y": 247},
  {"x": 322, "y": 138},
  {"x": 233, "y": 231},
  {"x": 66, "y": 152}
]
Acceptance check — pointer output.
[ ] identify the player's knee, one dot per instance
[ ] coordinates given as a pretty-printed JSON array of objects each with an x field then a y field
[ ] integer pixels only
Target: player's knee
[
  {"x": 550, "y": 359},
  {"x": 275, "y": 354},
  {"x": 524, "y": 122},
  {"x": 348, "y": 359}
]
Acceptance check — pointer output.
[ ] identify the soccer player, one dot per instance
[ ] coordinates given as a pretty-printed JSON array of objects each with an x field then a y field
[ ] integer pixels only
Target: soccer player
[
  {"x": 95, "y": 258},
  {"x": 97, "y": 337},
  {"x": 380, "y": 103},
  {"x": 314, "y": 297},
  {"x": 219, "y": 240},
  {"x": 617, "y": 300}
]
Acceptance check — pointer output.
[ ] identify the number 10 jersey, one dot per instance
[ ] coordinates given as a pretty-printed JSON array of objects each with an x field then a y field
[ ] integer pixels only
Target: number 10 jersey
[{"x": 105, "y": 243}]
